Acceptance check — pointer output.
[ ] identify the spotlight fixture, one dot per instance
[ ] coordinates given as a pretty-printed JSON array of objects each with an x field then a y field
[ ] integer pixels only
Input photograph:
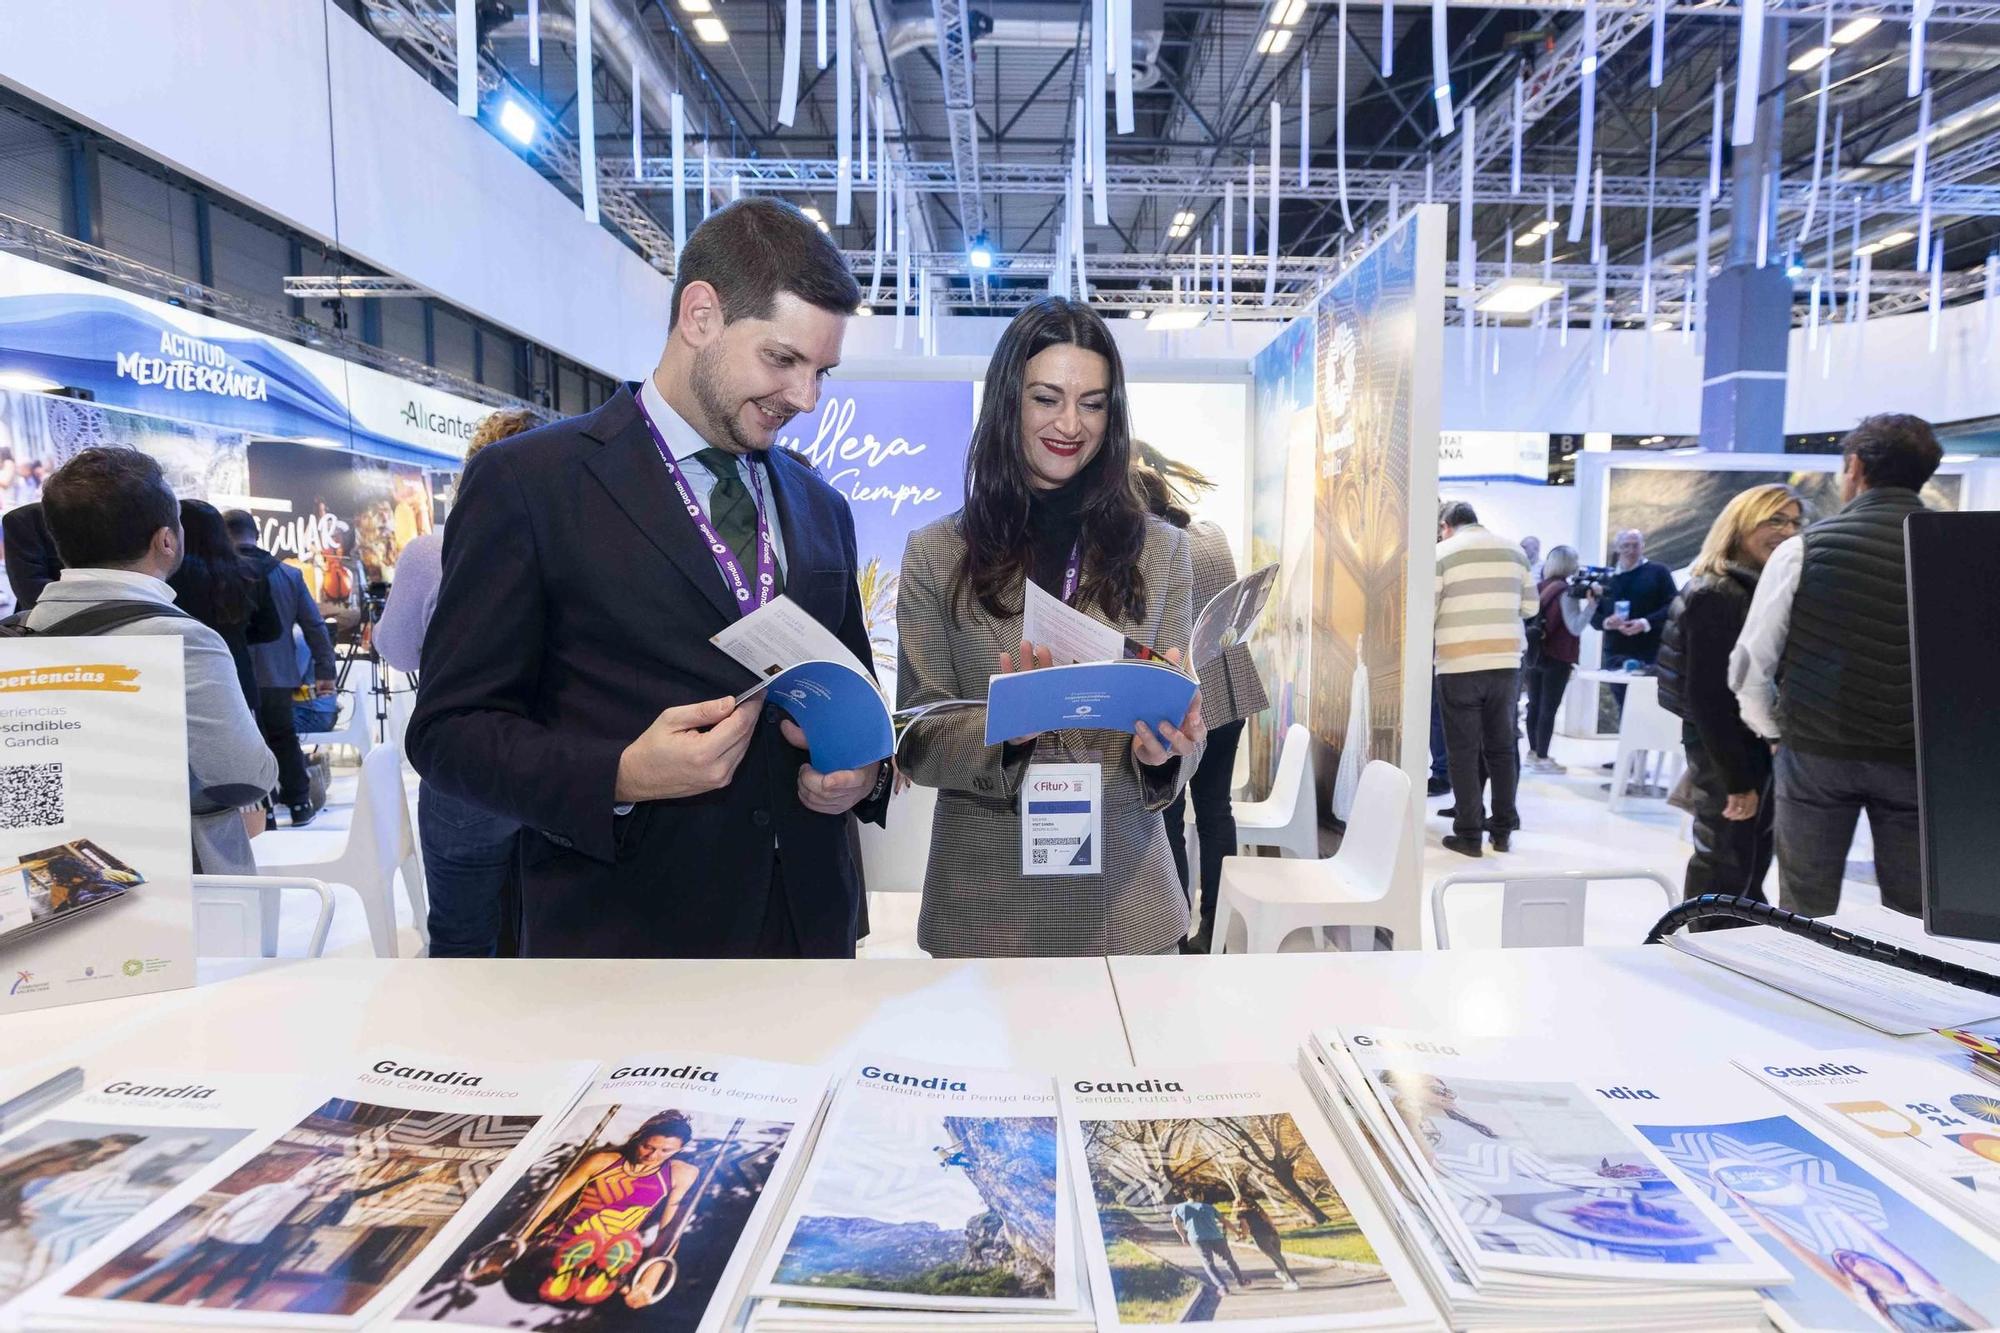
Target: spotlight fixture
[
  {"x": 1136, "y": 312},
  {"x": 981, "y": 254},
  {"x": 515, "y": 120}
]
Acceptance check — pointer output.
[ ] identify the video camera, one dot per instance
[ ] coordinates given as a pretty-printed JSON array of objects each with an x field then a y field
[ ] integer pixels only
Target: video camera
[{"x": 1579, "y": 582}]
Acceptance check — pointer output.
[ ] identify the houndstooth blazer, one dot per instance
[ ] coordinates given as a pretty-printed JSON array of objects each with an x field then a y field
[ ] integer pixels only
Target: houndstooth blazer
[
  {"x": 1230, "y": 688},
  {"x": 976, "y": 901}
]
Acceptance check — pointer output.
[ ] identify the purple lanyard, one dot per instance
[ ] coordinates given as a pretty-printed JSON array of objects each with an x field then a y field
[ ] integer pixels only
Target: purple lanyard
[
  {"x": 1073, "y": 572},
  {"x": 725, "y": 559}
]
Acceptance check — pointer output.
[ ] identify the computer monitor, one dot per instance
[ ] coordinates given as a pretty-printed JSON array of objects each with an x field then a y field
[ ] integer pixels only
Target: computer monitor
[{"x": 1954, "y": 581}]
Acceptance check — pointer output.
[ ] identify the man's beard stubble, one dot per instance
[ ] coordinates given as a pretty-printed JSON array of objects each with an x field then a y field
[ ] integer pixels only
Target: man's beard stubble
[{"x": 720, "y": 425}]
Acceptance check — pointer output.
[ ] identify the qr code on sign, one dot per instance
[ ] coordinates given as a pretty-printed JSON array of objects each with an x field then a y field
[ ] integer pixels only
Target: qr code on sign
[
  {"x": 1041, "y": 856},
  {"x": 31, "y": 796}
]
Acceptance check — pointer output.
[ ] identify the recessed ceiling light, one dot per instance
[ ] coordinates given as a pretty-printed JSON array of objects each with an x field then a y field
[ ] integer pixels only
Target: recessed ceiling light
[
  {"x": 1528, "y": 238},
  {"x": 1809, "y": 60},
  {"x": 711, "y": 30},
  {"x": 1854, "y": 30},
  {"x": 811, "y": 212},
  {"x": 1516, "y": 296},
  {"x": 1176, "y": 318},
  {"x": 1288, "y": 12}
]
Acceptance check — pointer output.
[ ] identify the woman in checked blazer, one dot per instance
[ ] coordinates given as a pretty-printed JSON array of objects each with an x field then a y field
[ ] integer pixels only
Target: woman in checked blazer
[{"x": 1047, "y": 477}]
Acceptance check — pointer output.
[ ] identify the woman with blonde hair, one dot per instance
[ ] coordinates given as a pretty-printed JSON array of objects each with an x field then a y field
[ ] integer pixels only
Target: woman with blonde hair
[{"x": 1729, "y": 767}]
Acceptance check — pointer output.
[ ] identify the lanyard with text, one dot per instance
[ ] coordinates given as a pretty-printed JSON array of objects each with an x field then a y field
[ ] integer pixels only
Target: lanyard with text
[
  {"x": 1073, "y": 572},
  {"x": 725, "y": 558}
]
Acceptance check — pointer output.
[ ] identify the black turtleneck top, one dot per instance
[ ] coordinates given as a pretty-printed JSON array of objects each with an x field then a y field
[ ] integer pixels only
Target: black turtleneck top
[{"x": 1055, "y": 518}]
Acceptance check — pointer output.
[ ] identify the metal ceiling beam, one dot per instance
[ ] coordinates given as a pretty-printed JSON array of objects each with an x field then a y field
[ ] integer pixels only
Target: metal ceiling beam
[{"x": 954, "y": 55}]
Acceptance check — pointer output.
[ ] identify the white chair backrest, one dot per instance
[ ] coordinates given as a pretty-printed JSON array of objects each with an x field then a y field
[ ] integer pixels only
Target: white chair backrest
[
  {"x": 893, "y": 859},
  {"x": 236, "y": 916},
  {"x": 1645, "y": 725},
  {"x": 378, "y": 837},
  {"x": 1540, "y": 909},
  {"x": 1378, "y": 825},
  {"x": 1293, "y": 782}
]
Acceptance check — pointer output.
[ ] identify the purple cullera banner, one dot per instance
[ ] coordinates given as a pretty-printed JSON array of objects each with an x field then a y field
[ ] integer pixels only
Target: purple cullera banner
[{"x": 896, "y": 450}]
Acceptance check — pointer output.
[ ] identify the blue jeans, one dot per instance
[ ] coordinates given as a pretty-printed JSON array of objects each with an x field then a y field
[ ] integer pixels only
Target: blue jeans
[{"x": 468, "y": 854}]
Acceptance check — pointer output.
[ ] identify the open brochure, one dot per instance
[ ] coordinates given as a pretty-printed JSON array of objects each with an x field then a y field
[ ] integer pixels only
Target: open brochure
[
  {"x": 1074, "y": 636},
  {"x": 1865, "y": 1253},
  {"x": 931, "y": 1188},
  {"x": 1217, "y": 1195},
  {"x": 1885, "y": 998},
  {"x": 314, "y": 1227},
  {"x": 71, "y": 1177},
  {"x": 641, "y": 1208},
  {"x": 1939, "y": 1128},
  {"x": 1532, "y": 1174}
]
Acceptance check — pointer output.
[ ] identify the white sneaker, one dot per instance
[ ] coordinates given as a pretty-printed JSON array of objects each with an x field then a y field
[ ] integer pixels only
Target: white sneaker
[{"x": 1549, "y": 766}]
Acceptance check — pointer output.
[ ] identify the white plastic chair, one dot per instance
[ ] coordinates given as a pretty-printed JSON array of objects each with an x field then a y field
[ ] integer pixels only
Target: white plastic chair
[
  {"x": 357, "y": 729},
  {"x": 236, "y": 916},
  {"x": 1645, "y": 729},
  {"x": 1288, "y": 818},
  {"x": 1370, "y": 881},
  {"x": 893, "y": 858},
  {"x": 380, "y": 840},
  {"x": 1539, "y": 908}
]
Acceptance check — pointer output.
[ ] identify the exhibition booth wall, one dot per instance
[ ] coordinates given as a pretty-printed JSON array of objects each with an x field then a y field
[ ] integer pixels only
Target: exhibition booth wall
[{"x": 307, "y": 117}]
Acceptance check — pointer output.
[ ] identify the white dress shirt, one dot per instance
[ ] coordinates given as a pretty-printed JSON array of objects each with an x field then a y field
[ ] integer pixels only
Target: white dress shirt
[
  {"x": 1754, "y": 661},
  {"x": 684, "y": 442}
]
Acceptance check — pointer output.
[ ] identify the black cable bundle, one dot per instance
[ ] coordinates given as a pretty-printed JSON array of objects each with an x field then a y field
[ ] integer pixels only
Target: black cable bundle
[{"x": 1711, "y": 906}]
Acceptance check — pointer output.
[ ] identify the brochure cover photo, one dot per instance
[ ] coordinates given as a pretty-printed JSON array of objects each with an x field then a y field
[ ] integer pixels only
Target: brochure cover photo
[
  {"x": 95, "y": 896},
  {"x": 1205, "y": 1201},
  {"x": 639, "y": 1209},
  {"x": 931, "y": 1188},
  {"x": 313, "y": 1227}
]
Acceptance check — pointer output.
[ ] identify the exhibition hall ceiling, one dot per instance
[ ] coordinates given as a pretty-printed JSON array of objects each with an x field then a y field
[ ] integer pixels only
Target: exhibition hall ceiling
[{"x": 989, "y": 164}]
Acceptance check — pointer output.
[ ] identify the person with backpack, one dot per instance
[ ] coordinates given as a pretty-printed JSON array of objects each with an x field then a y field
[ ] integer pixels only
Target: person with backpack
[
  {"x": 1729, "y": 765},
  {"x": 117, "y": 527},
  {"x": 1552, "y": 652}
]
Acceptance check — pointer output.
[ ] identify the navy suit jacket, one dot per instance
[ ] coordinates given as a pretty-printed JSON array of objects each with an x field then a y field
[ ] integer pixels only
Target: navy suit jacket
[{"x": 577, "y": 602}]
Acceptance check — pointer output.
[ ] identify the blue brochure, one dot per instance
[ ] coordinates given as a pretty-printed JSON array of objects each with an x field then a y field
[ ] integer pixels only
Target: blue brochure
[
  {"x": 840, "y": 711},
  {"x": 1088, "y": 696}
]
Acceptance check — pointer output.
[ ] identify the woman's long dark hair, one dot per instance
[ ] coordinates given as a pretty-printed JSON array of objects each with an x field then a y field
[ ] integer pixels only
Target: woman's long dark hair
[
  {"x": 210, "y": 559},
  {"x": 1166, "y": 485},
  {"x": 997, "y": 490}
]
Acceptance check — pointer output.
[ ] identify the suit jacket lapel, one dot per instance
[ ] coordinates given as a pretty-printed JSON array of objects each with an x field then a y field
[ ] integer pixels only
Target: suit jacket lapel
[
  {"x": 811, "y": 543},
  {"x": 629, "y": 467}
]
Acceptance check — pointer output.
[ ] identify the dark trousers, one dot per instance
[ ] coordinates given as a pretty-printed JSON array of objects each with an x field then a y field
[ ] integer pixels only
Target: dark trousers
[
  {"x": 1546, "y": 682},
  {"x": 1438, "y": 768},
  {"x": 1730, "y": 855},
  {"x": 1479, "y": 724},
  {"x": 468, "y": 859},
  {"x": 1214, "y": 818},
  {"x": 1819, "y": 801},
  {"x": 1612, "y": 660},
  {"x": 280, "y": 732}
]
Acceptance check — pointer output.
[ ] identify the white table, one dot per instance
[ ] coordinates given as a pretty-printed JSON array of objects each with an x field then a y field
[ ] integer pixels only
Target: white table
[{"x": 1260, "y": 1007}]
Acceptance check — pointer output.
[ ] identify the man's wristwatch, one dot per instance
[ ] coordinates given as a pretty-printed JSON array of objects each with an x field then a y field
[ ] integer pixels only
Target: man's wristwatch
[{"x": 883, "y": 780}]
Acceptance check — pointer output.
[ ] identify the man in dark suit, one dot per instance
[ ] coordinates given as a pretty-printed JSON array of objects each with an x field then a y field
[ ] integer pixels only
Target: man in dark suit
[
  {"x": 569, "y": 681},
  {"x": 30, "y": 552}
]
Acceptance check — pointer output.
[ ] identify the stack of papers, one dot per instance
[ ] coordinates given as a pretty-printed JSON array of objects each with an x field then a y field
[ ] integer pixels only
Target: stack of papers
[
  {"x": 1525, "y": 1201},
  {"x": 1936, "y": 1127},
  {"x": 1888, "y": 999},
  {"x": 936, "y": 1198}
]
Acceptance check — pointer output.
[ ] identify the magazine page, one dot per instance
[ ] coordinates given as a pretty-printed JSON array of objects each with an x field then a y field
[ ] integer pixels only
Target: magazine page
[
  {"x": 1093, "y": 696},
  {"x": 1218, "y": 1196},
  {"x": 1973, "y": 1052},
  {"x": 69, "y": 1178},
  {"x": 640, "y": 1209},
  {"x": 1539, "y": 1178},
  {"x": 1864, "y": 1252},
  {"x": 313, "y": 1228},
  {"x": 931, "y": 1187},
  {"x": 1939, "y": 1127},
  {"x": 1885, "y": 998}
]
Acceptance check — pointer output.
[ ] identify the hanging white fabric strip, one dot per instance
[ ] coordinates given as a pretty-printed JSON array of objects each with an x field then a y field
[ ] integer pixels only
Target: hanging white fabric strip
[
  {"x": 1549, "y": 238},
  {"x": 1094, "y": 161},
  {"x": 735, "y": 186},
  {"x": 1250, "y": 210},
  {"x": 466, "y": 57},
  {"x": 1305, "y": 123},
  {"x": 1819, "y": 133},
  {"x": 1468, "y": 272},
  {"x": 1702, "y": 235},
  {"x": 788, "y": 82},
  {"x": 1937, "y": 287},
  {"x": 1340, "y": 120},
  {"x": 707, "y": 194},
  {"x": 1749, "y": 73},
  {"x": 821, "y": 11},
  {"x": 1121, "y": 52},
  {"x": 1514, "y": 146},
  {"x": 1763, "y": 220},
  {"x": 586, "y": 117},
  {"x": 1388, "y": 38},
  {"x": 1227, "y": 250},
  {"x": 1652, "y": 181},
  {"x": 843, "y": 114},
  {"x": 638, "y": 131},
  {"x": 1093, "y": 90},
  {"x": 534, "y": 32},
  {"x": 1812, "y": 315},
  {"x": 1715, "y": 146},
  {"x": 902, "y": 257},
  {"x": 1924, "y": 237},
  {"x": 1659, "y": 69},
  {"x": 1441, "y": 65},
  {"x": 1921, "y": 158},
  {"x": 1271, "y": 208},
  {"x": 1597, "y": 217},
  {"x": 1991, "y": 291},
  {"x": 1861, "y": 288},
  {"x": 1586, "y": 130},
  {"x": 1076, "y": 206},
  {"x": 881, "y": 230},
  {"x": 1430, "y": 179},
  {"x": 861, "y": 134},
  {"x": 680, "y": 175},
  {"x": 1920, "y": 14}
]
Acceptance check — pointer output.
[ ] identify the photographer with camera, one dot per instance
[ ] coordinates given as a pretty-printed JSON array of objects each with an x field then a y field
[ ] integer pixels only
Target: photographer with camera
[
  {"x": 1632, "y": 607},
  {"x": 1567, "y": 604}
]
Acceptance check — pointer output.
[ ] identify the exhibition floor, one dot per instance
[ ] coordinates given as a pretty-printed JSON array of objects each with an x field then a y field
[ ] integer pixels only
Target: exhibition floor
[{"x": 1566, "y": 825}]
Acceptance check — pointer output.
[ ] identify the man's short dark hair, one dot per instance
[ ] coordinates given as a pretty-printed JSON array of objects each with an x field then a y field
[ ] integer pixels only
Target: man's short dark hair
[
  {"x": 755, "y": 248},
  {"x": 105, "y": 505},
  {"x": 1456, "y": 514},
  {"x": 242, "y": 526},
  {"x": 1895, "y": 449}
]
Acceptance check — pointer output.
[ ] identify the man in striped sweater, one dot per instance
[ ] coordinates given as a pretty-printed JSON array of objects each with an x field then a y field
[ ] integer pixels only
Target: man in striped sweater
[{"x": 1484, "y": 594}]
